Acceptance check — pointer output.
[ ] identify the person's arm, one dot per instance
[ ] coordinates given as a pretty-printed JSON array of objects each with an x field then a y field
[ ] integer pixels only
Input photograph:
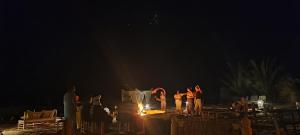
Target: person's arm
[{"x": 165, "y": 93}]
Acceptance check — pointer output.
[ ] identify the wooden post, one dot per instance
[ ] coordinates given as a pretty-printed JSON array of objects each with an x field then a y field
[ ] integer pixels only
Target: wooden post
[
  {"x": 128, "y": 126},
  {"x": 67, "y": 127},
  {"x": 143, "y": 130},
  {"x": 93, "y": 126},
  {"x": 119, "y": 126},
  {"x": 277, "y": 127},
  {"x": 173, "y": 126}
]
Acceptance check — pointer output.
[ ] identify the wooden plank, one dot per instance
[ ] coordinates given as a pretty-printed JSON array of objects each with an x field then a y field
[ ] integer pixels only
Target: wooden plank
[{"x": 205, "y": 125}]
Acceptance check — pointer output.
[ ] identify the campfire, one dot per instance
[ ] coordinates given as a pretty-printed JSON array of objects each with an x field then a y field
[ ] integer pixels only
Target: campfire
[
  {"x": 147, "y": 111},
  {"x": 141, "y": 110}
]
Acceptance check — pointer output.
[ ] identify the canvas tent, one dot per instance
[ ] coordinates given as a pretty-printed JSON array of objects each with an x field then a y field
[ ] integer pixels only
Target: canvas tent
[{"x": 136, "y": 96}]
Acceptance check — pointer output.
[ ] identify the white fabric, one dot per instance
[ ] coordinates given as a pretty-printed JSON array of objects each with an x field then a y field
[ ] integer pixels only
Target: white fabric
[{"x": 136, "y": 96}]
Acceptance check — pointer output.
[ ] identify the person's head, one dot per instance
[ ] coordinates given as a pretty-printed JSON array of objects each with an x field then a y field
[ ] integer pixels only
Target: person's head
[
  {"x": 77, "y": 98},
  {"x": 197, "y": 88},
  {"x": 242, "y": 99},
  {"x": 177, "y": 92}
]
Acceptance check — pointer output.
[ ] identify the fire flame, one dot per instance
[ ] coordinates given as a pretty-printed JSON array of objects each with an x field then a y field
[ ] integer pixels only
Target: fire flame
[{"x": 141, "y": 108}]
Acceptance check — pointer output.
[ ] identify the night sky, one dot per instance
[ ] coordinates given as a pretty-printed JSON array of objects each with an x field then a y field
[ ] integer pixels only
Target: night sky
[{"x": 102, "y": 47}]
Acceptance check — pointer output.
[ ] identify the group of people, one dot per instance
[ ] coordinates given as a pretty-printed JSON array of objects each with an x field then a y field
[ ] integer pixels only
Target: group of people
[
  {"x": 70, "y": 111},
  {"x": 194, "y": 100},
  {"x": 86, "y": 114}
]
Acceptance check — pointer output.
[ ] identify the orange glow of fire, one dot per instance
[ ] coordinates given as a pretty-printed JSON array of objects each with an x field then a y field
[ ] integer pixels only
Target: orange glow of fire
[
  {"x": 143, "y": 112},
  {"x": 141, "y": 109}
]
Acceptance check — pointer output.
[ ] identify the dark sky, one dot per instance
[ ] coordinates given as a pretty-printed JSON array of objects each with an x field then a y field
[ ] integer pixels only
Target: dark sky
[{"x": 101, "y": 46}]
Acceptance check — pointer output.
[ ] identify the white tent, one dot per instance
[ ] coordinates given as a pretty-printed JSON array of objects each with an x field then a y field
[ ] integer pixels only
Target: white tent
[{"x": 136, "y": 96}]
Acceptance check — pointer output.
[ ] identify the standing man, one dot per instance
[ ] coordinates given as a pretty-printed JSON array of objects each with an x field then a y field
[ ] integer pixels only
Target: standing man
[
  {"x": 97, "y": 111},
  {"x": 78, "y": 112},
  {"x": 198, "y": 97},
  {"x": 70, "y": 111},
  {"x": 163, "y": 102},
  {"x": 178, "y": 101},
  {"x": 190, "y": 99}
]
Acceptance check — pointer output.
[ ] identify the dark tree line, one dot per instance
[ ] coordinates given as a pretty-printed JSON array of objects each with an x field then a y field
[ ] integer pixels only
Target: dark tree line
[{"x": 264, "y": 77}]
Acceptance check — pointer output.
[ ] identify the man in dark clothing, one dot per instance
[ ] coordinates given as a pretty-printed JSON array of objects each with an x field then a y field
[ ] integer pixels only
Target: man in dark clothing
[
  {"x": 70, "y": 111},
  {"x": 197, "y": 100}
]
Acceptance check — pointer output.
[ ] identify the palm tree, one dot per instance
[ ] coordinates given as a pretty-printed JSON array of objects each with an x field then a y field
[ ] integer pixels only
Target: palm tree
[
  {"x": 236, "y": 80},
  {"x": 266, "y": 77}
]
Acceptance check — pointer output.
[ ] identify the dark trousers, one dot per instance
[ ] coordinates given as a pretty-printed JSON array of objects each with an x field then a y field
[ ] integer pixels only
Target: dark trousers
[{"x": 190, "y": 105}]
